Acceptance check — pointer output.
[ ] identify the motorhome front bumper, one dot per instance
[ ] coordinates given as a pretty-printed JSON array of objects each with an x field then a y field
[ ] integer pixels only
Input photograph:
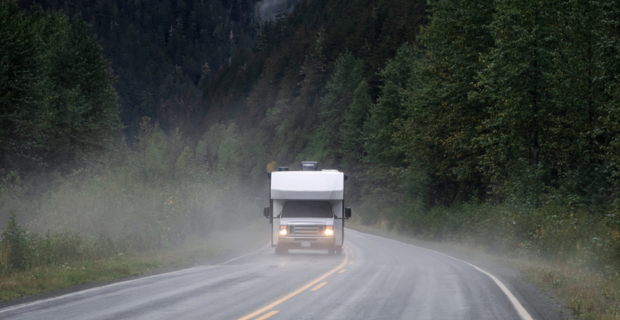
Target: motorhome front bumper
[{"x": 293, "y": 242}]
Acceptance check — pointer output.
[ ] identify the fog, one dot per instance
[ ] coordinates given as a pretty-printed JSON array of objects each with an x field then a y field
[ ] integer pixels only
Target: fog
[
  {"x": 269, "y": 8},
  {"x": 141, "y": 205}
]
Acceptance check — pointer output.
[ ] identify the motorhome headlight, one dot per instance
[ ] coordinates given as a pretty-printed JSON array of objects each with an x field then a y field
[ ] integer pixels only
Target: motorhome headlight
[
  {"x": 329, "y": 231},
  {"x": 283, "y": 231}
]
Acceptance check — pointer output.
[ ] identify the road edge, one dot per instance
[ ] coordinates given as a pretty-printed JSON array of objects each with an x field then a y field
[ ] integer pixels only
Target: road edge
[
  {"x": 554, "y": 308},
  {"x": 90, "y": 287}
]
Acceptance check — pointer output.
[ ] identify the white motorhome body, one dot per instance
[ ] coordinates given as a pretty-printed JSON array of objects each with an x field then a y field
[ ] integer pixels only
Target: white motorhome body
[{"x": 307, "y": 210}]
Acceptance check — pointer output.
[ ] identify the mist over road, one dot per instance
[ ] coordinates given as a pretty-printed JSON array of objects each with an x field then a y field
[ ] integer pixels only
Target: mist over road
[{"x": 376, "y": 278}]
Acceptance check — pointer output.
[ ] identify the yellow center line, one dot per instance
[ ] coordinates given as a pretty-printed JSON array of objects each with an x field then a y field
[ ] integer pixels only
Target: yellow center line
[
  {"x": 267, "y": 315},
  {"x": 318, "y": 286},
  {"x": 351, "y": 262},
  {"x": 296, "y": 292},
  {"x": 342, "y": 271}
]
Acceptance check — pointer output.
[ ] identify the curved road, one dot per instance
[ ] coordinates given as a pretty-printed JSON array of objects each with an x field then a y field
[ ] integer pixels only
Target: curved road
[{"x": 376, "y": 278}]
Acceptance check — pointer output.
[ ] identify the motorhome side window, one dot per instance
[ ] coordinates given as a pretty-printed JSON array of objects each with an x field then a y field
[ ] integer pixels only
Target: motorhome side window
[{"x": 307, "y": 209}]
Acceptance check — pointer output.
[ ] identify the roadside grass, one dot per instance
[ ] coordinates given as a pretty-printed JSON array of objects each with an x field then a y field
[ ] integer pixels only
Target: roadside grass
[
  {"x": 162, "y": 206},
  {"x": 215, "y": 248},
  {"x": 590, "y": 293},
  {"x": 44, "y": 279}
]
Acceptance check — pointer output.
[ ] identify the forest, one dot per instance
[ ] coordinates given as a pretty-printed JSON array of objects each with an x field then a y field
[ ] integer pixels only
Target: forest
[
  {"x": 492, "y": 122},
  {"x": 454, "y": 119}
]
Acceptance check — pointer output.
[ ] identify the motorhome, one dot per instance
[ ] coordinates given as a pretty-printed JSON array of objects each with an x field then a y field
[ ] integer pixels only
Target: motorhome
[{"x": 307, "y": 209}]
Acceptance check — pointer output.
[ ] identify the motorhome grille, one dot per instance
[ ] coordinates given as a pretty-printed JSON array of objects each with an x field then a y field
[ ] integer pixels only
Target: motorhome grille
[{"x": 302, "y": 230}]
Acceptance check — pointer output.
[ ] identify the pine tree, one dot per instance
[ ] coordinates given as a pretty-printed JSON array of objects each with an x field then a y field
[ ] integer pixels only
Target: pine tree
[
  {"x": 280, "y": 22},
  {"x": 353, "y": 137},
  {"x": 84, "y": 101},
  {"x": 390, "y": 109},
  {"x": 59, "y": 105},
  {"x": 258, "y": 26},
  {"x": 347, "y": 76},
  {"x": 24, "y": 88},
  {"x": 435, "y": 136},
  {"x": 609, "y": 45},
  {"x": 580, "y": 81},
  {"x": 517, "y": 134}
]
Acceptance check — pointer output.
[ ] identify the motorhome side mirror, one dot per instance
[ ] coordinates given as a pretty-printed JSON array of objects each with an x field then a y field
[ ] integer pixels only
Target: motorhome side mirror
[
  {"x": 347, "y": 213},
  {"x": 266, "y": 212}
]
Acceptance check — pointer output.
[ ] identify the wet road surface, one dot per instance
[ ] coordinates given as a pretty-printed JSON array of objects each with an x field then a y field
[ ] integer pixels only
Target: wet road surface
[{"x": 375, "y": 278}]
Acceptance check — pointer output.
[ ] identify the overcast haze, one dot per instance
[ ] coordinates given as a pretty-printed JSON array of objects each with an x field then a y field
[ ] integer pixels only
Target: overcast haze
[{"x": 269, "y": 8}]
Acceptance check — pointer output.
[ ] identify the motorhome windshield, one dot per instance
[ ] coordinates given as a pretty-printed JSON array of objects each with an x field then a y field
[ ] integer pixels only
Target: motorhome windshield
[{"x": 307, "y": 209}]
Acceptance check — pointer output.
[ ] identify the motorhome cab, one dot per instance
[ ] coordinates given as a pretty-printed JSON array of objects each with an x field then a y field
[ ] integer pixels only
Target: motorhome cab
[{"x": 306, "y": 209}]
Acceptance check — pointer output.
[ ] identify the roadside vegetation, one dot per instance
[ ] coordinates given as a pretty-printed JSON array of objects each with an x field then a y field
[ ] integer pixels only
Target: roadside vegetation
[
  {"x": 57, "y": 261},
  {"x": 77, "y": 203},
  {"x": 158, "y": 206}
]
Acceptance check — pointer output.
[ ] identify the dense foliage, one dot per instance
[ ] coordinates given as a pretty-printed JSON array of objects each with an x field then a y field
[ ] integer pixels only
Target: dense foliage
[
  {"x": 57, "y": 104},
  {"x": 500, "y": 102},
  {"x": 492, "y": 101},
  {"x": 520, "y": 106},
  {"x": 161, "y": 50}
]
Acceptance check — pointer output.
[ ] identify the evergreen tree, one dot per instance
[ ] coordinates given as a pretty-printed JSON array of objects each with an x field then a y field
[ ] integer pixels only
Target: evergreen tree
[
  {"x": 83, "y": 100},
  {"x": 353, "y": 138},
  {"x": 609, "y": 46},
  {"x": 57, "y": 103},
  {"x": 580, "y": 81},
  {"x": 280, "y": 22},
  {"x": 347, "y": 77},
  {"x": 441, "y": 120},
  {"x": 260, "y": 37},
  {"x": 390, "y": 109},
  {"x": 517, "y": 136},
  {"x": 24, "y": 89},
  {"x": 146, "y": 40}
]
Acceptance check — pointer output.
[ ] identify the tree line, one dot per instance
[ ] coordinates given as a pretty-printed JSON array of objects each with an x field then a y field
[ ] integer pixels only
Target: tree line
[
  {"x": 162, "y": 51},
  {"x": 58, "y": 106},
  {"x": 508, "y": 101},
  {"x": 447, "y": 101},
  {"x": 460, "y": 101}
]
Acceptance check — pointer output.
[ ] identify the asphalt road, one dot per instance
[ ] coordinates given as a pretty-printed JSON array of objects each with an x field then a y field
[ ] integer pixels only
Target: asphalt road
[{"x": 376, "y": 278}]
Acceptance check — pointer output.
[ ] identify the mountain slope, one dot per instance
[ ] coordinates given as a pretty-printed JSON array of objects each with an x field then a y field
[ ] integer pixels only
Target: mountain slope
[{"x": 159, "y": 50}]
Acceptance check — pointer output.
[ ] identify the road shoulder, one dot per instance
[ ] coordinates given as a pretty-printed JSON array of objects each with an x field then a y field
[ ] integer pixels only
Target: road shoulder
[
  {"x": 541, "y": 304},
  {"x": 185, "y": 260}
]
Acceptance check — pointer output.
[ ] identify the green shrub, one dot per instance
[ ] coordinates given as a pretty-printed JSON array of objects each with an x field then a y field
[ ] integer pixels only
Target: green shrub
[
  {"x": 555, "y": 232},
  {"x": 22, "y": 250},
  {"x": 15, "y": 245}
]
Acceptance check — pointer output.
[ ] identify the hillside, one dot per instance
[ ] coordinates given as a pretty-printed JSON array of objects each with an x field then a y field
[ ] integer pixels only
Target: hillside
[
  {"x": 159, "y": 50},
  {"x": 493, "y": 105},
  {"x": 274, "y": 92}
]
